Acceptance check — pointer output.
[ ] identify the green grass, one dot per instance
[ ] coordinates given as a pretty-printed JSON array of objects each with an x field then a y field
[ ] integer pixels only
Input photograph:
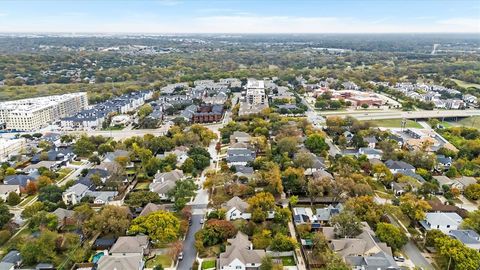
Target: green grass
[
  {"x": 142, "y": 186},
  {"x": 76, "y": 163},
  {"x": 473, "y": 121},
  {"x": 164, "y": 260},
  {"x": 466, "y": 84},
  {"x": 394, "y": 123},
  {"x": 208, "y": 264},
  {"x": 114, "y": 128},
  {"x": 288, "y": 261},
  {"x": 26, "y": 200}
]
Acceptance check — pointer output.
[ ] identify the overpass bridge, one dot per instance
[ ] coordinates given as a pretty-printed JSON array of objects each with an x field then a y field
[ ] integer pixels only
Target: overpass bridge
[{"x": 440, "y": 114}]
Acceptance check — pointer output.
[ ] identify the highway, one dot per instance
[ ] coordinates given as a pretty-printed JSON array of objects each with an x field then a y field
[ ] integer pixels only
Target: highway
[{"x": 378, "y": 115}]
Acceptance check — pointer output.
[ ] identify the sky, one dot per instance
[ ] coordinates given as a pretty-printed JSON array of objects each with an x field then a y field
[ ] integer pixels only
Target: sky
[{"x": 240, "y": 16}]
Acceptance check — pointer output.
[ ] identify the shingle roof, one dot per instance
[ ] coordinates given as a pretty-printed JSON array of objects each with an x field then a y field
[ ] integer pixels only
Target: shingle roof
[
  {"x": 239, "y": 249},
  {"x": 127, "y": 262},
  {"x": 130, "y": 244},
  {"x": 150, "y": 208},
  {"x": 236, "y": 202},
  {"x": 466, "y": 236},
  {"x": 398, "y": 165}
]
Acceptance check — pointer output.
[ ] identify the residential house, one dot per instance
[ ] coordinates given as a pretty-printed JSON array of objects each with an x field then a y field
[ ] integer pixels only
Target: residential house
[
  {"x": 397, "y": 166},
  {"x": 131, "y": 245},
  {"x": 443, "y": 163},
  {"x": 243, "y": 171},
  {"x": 371, "y": 141},
  {"x": 64, "y": 217},
  {"x": 33, "y": 168},
  {"x": 239, "y": 156},
  {"x": 400, "y": 188},
  {"x": 174, "y": 176},
  {"x": 18, "y": 180},
  {"x": 74, "y": 194},
  {"x": 323, "y": 215},
  {"x": 378, "y": 261},
  {"x": 370, "y": 152},
  {"x": 469, "y": 238},
  {"x": 164, "y": 182},
  {"x": 303, "y": 215},
  {"x": 465, "y": 181},
  {"x": 236, "y": 209},
  {"x": 12, "y": 260},
  {"x": 240, "y": 255},
  {"x": 61, "y": 155},
  {"x": 7, "y": 189},
  {"x": 150, "y": 208},
  {"x": 181, "y": 152},
  {"x": 468, "y": 98},
  {"x": 127, "y": 262},
  {"x": 444, "y": 222},
  {"x": 240, "y": 137},
  {"x": 112, "y": 156}
]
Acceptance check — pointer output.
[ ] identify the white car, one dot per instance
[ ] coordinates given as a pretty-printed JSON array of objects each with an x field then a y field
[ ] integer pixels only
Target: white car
[{"x": 180, "y": 256}]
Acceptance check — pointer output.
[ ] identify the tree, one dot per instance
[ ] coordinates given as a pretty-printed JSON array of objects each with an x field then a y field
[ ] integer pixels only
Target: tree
[
  {"x": 316, "y": 143},
  {"x": 111, "y": 219},
  {"x": 262, "y": 240},
  {"x": 303, "y": 159},
  {"x": 94, "y": 159},
  {"x": 41, "y": 249},
  {"x": 105, "y": 148},
  {"x": 82, "y": 213},
  {"x": 346, "y": 224},
  {"x": 382, "y": 173},
  {"x": 188, "y": 166},
  {"x": 281, "y": 242},
  {"x": 472, "y": 222},
  {"x": 145, "y": 110},
  {"x": 293, "y": 180},
  {"x": 31, "y": 188},
  {"x": 267, "y": 263},
  {"x": 260, "y": 204},
  {"x": 216, "y": 231},
  {"x": 44, "y": 181},
  {"x": 183, "y": 190},
  {"x": 413, "y": 207},
  {"x": 42, "y": 220},
  {"x": 318, "y": 187},
  {"x": 287, "y": 145},
  {"x": 32, "y": 209},
  {"x": 161, "y": 226},
  {"x": 51, "y": 193},
  {"x": 366, "y": 209},
  {"x": 13, "y": 199},
  {"x": 5, "y": 214},
  {"x": 141, "y": 198},
  {"x": 83, "y": 147},
  {"x": 201, "y": 157},
  {"x": 431, "y": 236},
  {"x": 392, "y": 235},
  {"x": 472, "y": 192},
  {"x": 459, "y": 256}
]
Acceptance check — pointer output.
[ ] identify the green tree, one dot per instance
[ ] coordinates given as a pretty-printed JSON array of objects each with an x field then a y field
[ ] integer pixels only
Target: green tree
[
  {"x": 160, "y": 226},
  {"x": 346, "y": 224},
  {"x": 460, "y": 256},
  {"x": 145, "y": 110},
  {"x": 84, "y": 147},
  {"x": 472, "y": 222},
  {"x": 316, "y": 143},
  {"x": 50, "y": 193},
  {"x": 287, "y": 145},
  {"x": 111, "y": 219},
  {"x": 13, "y": 199},
  {"x": 413, "y": 207},
  {"x": 141, "y": 198},
  {"x": 472, "y": 192},
  {"x": 183, "y": 190},
  {"x": 5, "y": 214},
  {"x": 32, "y": 209},
  {"x": 392, "y": 235},
  {"x": 281, "y": 242},
  {"x": 42, "y": 220},
  {"x": 188, "y": 166},
  {"x": 41, "y": 249}
]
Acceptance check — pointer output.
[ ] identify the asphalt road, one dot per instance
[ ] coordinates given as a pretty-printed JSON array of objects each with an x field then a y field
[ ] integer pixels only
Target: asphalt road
[{"x": 189, "y": 251}]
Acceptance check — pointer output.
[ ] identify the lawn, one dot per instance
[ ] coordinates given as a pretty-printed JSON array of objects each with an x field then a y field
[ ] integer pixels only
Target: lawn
[
  {"x": 76, "y": 163},
  {"x": 208, "y": 264},
  {"x": 142, "y": 186},
  {"x": 288, "y": 261},
  {"x": 26, "y": 200},
  {"x": 63, "y": 172},
  {"x": 164, "y": 260},
  {"x": 466, "y": 84},
  {"x": 394, "y": 123}
]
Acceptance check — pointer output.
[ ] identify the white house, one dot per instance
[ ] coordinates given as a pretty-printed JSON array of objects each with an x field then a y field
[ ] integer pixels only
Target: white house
[
  {"x": 240, "y": 255},
  {"x": 7, "y": 189},
  {"x": 236, "y": 209},
  {"x": 442, "y": 221}
]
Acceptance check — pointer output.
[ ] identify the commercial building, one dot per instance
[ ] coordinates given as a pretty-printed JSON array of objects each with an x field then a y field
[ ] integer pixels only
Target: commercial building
[{"x": 34, "y": 113}]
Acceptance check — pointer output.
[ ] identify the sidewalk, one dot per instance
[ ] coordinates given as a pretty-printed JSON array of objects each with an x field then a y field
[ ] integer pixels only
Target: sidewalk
[{"x": 301, "y": 263}]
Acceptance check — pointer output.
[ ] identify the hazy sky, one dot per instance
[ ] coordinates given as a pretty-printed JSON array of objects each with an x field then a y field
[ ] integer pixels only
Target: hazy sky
[{"x": 245, "y": 16}]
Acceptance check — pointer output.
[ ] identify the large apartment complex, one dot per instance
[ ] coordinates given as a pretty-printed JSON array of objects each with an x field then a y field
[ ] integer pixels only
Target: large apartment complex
[
  {"x": 255, "y": 92},
  {"x": 34, "y": 113}
]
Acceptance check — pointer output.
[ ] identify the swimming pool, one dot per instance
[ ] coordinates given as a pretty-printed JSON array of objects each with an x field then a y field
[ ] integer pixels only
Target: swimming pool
[{"x": 97, "y": 257}]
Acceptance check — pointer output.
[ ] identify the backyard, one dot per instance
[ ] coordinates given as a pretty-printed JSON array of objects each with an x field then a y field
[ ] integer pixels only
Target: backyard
[{"x": 163, "y": 260}]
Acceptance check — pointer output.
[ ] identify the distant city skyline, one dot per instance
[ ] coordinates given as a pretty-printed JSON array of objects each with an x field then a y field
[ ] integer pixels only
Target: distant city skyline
[{"x": 246, "y": 16}]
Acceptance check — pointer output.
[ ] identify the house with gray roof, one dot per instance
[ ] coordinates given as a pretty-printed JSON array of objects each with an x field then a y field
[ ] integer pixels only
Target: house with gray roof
[
  {"x": 240, "y": 255},
  {"x": 378, "y": 261},
  {"x": 131, "y": 245},
  {"x": 370, "y": 152},
  {"x": 174, "y": 176},
  {"x": 64, "y": 217},
  {"x": 18, "y": 179},
  {"x": 325, "y": 214},
  {"x": 371, "y": 141},
  {"x": 469, "y": 238},
  {"x": 122, "y": 262},
  {"x": 236, "y": 209},
  {"x": 240, "y": 156},
  {"x": 240, "y": 137},
  {"x": 5, "y": 190},
  {"x": 442, "y": 221},
  {"x": 397, "y": 166},
  {"x": 13, "y": 259}
]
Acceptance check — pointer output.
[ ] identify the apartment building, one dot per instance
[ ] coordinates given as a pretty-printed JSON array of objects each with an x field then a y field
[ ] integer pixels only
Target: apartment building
[
  {"x": 34, "y": 113},
  {"x": 255, "y": 92}
]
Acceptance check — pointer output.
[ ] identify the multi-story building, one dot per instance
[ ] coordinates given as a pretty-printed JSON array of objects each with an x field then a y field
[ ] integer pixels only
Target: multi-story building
[
  {"x": 255, "y": 92},
  {"x": 34, "y": 113}
]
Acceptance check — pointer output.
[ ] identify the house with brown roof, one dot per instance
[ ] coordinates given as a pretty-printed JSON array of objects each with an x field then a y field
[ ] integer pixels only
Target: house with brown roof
[{"x": 240, "y": 255}]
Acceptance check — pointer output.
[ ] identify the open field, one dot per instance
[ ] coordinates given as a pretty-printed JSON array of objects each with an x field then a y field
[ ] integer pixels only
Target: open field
[
  {"x": 466, "y": 84},
  {"x": 394, "y": 123}
]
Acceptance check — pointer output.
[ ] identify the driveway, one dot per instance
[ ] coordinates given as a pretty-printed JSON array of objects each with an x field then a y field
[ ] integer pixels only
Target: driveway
[{"x": 466, "y": 204}]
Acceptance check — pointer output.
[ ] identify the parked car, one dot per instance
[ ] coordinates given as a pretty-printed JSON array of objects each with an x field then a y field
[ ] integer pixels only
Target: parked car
[
  {"x": 180, "y": 256},
  {"x": 399, "y": 258}
]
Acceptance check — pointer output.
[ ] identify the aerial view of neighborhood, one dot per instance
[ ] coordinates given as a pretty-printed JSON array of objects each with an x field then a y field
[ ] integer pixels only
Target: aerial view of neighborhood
[{"x": 239, "y": 141}]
